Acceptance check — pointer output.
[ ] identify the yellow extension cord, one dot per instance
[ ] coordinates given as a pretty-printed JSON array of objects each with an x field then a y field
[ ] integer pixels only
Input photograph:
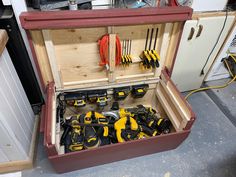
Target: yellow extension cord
[{"x": 216, "y": 86}]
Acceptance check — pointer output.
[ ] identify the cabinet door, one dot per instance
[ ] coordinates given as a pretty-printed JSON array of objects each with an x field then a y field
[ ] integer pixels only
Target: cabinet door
[
  {"x": 194, "y": 50},
  {"x": 203, "y": 5}
]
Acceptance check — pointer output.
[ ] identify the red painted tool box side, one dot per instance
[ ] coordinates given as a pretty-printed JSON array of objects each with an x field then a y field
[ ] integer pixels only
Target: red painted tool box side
[
  {"x": 111, "y": 153},
  {"x": 116, "y": 152}
]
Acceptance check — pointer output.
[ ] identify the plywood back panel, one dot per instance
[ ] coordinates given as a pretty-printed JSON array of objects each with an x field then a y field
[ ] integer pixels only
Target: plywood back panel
[
  {"x": 71, "y": 56},
  {"x": 77, "y": 54},
  {"x": 136, "y": 33}
]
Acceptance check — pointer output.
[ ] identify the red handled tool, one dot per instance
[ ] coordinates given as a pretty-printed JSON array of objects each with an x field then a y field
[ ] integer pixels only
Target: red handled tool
[{"x": 104, "y": 50}]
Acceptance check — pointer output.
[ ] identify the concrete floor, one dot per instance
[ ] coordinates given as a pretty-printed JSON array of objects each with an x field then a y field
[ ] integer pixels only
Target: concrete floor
[
  {"x": 209, "y": 151},
  {"x": 225, "y": 98}
]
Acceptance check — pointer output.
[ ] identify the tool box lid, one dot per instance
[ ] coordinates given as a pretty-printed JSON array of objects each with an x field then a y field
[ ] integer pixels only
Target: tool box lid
[{"x": 66, "y": 50}]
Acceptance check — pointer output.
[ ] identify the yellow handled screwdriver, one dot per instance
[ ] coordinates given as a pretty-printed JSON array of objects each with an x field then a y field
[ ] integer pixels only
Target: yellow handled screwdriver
[
  {"x": 154, "y": 52},
  {"x": 152, "y": 56}
]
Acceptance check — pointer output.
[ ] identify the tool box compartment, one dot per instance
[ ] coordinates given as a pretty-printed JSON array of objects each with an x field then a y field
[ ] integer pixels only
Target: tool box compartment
[{"x": 66, "y": 49}]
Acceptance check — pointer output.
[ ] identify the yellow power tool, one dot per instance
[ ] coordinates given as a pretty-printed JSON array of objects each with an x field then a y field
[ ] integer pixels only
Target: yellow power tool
[{"x": 126, "y": 129}]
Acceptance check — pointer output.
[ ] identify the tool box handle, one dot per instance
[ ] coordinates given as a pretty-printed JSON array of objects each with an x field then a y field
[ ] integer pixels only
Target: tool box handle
[{"x": 50, "y": 148}]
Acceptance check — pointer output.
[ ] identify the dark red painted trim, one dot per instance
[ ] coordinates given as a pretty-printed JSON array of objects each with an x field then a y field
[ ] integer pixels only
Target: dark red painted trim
[
  {"x": 50, "y": 148},
  {"x": 193, "y": 116},
  {"x": 115, "y": 152},
  {"x": 35, "y": 60},
  {"x": 190, "y": 123},
  {"x": 108, "y": 17},
  {"x": 46, "y": 119}
]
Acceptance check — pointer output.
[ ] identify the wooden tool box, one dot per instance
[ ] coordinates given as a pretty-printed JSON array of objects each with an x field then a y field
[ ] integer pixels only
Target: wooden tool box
[{"x": 66, "y": 52}]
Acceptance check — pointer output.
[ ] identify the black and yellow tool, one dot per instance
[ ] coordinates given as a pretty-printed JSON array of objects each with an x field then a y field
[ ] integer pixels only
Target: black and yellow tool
[
  {"x": 121, "y": 93},
  {"x": 123, "y": 59},
  {"x": 129, "y": 51},
  {"x": 163, "y": 125},
  {"x": 142, "y": 135},
  {"x": 91, "y": 139},
  {"x": 126, "y": 57},
  {"x": 95, "y": 129},
  {"x": 124, "y": 112},
  {"x": 66, "y": 136},
  {"x": 85, "y": 118},
  {"x": 100, "y": 119},
  {"x": 76, "y": 99},
  {"x": 152, "y": 125},
  {"x": 126, "y": 129},
  {"x": 154, "y": 52},
  {"x": 103, "y": 131},
  {"x": 146, "y": 59},
  {"x": 150, "y": 58},
  {"x": 144, "y": 118},
  {"x": 97, "y": 96},
  {"x": 72, "y": 137},
  {"x": 77, "y": 140},
  {"x": 115, "y": 106},
  {"x": 138, "y": 91},
  {"x": 148, "y": 115},
  {"x": 61, "y": 108},
  {"x": 102, "y": 101},
  {"x": 149, "y": 53},
  {"x": 147, "y": 130}
]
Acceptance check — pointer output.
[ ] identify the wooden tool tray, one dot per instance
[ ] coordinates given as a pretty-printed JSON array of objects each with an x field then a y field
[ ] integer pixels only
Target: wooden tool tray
[{"x": 66, "y": 52}]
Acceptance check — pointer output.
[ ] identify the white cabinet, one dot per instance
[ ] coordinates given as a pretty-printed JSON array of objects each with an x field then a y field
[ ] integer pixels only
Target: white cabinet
[
  {"x": 198, "y": 39},
  {"x": 6, "y": 2},
  {"x": 203, "y": 5},
  {"x": 101, "y": 4},
  {"x": 16, "y": 115},
  {"x": 218, "y": 70}
]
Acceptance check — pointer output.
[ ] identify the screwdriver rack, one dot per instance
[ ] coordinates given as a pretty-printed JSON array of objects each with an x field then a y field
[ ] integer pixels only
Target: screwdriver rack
[{"x": 134, "y": 42}]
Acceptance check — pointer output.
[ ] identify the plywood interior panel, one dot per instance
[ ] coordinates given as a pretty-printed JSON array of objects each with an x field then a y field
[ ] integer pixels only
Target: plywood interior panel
[
  {"x": 77, "y": 53},
  {"x": 71, "y": 56},
  {"x": 174, "y": 40},
  {"x": 166, "y": 34},
  {"x": 137, "y": 34},
  {"x": 41, "y": 54}
]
